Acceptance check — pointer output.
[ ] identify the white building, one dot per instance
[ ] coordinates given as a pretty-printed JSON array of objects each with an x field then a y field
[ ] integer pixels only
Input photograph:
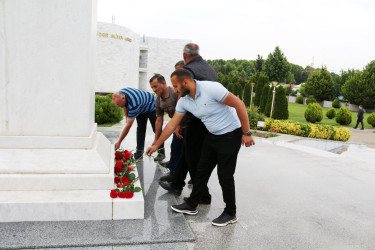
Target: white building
[{"x": 127, "y": 59}]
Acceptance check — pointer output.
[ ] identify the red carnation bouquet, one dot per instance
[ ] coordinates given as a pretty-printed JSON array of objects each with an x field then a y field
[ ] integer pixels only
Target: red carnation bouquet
[{"x": 124, "y": 175}]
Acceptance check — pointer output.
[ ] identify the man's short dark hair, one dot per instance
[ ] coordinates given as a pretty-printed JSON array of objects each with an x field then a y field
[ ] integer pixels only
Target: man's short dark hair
[
  {"x": 191, "y": 49},
  {"x": 182, "y": 74},
  {"x": 159, "y": 77},
  {"x": 180, "y": 63}
]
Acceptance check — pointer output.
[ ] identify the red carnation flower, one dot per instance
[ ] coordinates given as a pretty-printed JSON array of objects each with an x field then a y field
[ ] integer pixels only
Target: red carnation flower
[
  {"x": 129, "y": 168},
  {"x": 125, "y": 179},
  {"x": 119, "y": 185},
  {"x": 117, "y": 179},
  {"x": 119, "y": 164},
  {"x": 118, "y": 155},
  {"x": 113, "y": 194},
  {"x": 128, "y": 194},
  {"x": 121, "y": 194}
]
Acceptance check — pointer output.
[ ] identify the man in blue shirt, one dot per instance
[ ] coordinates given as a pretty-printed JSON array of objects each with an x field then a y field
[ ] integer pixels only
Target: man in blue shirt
[
  {"x": 139, "y": 105},
  {"x": 225, "y": 117}
]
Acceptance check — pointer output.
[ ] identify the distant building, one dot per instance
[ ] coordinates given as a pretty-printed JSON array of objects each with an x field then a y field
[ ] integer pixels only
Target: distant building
[{"x": 127, "y": 59}]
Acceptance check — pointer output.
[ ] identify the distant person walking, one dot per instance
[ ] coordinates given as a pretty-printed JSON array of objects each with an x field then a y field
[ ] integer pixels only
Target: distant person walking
[
  {"x": 138, "y": 105},
  {"x": 360, "y": 117}
]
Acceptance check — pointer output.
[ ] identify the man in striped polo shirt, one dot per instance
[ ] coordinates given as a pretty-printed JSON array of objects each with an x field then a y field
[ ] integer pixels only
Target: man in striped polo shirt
[{"x": 139, "y": 105}]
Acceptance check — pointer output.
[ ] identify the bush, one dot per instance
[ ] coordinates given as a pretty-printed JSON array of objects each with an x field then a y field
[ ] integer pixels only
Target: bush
[
  {"x": 336, "y": 103},
  {"x": 331, "y": 113},
  {"x": 314, "y": 113},
  {"x": 106, "y": 111},
  {"x": 247, "y": 94},
  {"x": 280, "y": 109},
  {"x": 310, "y": 99},
  {"x": 254, "y": 117},
  {"x": 263, "y": 100},
  {"x": 344, "y": 116},
  {"x": 371, "y": 119},
  {"x": 300, "y": 99},
  {"x": 308, "y": 130}
]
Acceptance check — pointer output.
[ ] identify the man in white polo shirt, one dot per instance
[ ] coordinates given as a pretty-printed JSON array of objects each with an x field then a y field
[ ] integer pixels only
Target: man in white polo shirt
[{"x": 225, "y": 117}]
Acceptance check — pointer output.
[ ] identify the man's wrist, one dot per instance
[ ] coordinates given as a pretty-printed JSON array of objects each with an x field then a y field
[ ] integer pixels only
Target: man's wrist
[{"x": 248, "y": 133}]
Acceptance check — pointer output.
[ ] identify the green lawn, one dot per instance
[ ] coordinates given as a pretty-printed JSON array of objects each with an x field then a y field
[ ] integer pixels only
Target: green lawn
[{"x": 297, "y": 111}]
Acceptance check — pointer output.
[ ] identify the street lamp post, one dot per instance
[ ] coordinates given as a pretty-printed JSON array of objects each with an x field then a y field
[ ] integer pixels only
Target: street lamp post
[
  {"x": 251, "y": 97},
  {"x": 273, "y": 96}
]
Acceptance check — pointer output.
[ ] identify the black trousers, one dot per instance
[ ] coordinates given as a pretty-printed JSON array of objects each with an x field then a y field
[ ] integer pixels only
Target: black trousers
[
  {"x": 176, "y": 152},
  {"x": 141, "y": 130},
  {"x": 191, "y": 152},
  {"x": 359, "y": 121},
  {"x": 220, "y": 150}
]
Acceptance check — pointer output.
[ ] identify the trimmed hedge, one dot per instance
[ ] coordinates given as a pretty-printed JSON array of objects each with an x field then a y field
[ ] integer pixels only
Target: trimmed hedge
[
  {"x": 106, "y": 111},
  {"x": 331, "y": 113},
  {"x": 314, "y": 113},
  {"x": 310, "y": 99},
  {"x": 344, "y": 116},
  {"x": 371, "y": 119},
  {"x": 300, "y": 99},
  {"x": 336, "y": 103},
  {"x": 308, "y": 130}
]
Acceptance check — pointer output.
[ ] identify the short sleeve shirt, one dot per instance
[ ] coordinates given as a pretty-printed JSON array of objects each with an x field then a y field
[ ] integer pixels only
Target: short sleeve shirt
[
  {"x": 138, "y": 101},
  {"x": 167, "y": 104},
  {"x": 207, "y": 106}
]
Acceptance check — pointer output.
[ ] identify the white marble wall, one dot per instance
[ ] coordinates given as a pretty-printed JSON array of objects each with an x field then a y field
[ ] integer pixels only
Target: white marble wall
[
  {"x": 118, "y": 58},
  {"x": 45, "y": 83}
]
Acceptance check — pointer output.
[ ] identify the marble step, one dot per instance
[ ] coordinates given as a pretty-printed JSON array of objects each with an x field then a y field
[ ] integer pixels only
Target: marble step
[{"x": 16, "y": 206}]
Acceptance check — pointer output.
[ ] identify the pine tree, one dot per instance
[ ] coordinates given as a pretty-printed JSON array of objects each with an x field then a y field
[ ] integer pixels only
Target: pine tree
[
  {"x": 230, "y": 87},
  {"x": 247, "y": 94},
  {"x": 280, "y": 106},
  {"x": 267, "y": 110},
  {"x": 262, "y": 80},
  {"x": 263, "y": 100}
]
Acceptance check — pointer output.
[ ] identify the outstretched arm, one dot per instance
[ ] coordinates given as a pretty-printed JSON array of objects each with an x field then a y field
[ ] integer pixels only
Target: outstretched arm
[{"x": 167, "y": 131}]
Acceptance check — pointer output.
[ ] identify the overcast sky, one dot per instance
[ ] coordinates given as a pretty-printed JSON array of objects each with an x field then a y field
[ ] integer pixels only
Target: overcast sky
[{"x": 337, "y": 33}]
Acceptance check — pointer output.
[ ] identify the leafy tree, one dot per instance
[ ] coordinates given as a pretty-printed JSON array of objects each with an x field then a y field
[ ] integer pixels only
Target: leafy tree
[
  {"x": 221, "y": 78},
  {"x": 339, "y": 80},
  {"x": 280, "y": 109},
  {"x": 290, "y": 79},
  {"x": 259, "y": 63},
  {"x": 302, "y": 89},
  {"x": 299, "y": 73},
  {"x": 230, "y": 88},
  {"x": 276, "y": 66},
  {"x": 360, "y": 88},
  {"x": 264, "y": 98},
  {"x": 247, "y": 94},
  {"x": 261, "y": 81},
  {"x": 320, "y": 85},
  {"x": 237, "y": 91}
]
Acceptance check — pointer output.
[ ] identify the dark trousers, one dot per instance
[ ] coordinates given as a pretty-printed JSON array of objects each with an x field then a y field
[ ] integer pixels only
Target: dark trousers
[
  {"x": 194, "y": 136},
  {"x": 176, "y": 152},
  {"x": 141, "y": 130},
  {"x": 359, "y": 121},
  {"x": 220, "y": 150}
]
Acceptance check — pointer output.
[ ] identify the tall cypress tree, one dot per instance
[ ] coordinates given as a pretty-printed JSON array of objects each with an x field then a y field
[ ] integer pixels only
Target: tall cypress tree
[
  {"x": 280, "y": 106},
  {"x": 247, "y": 94},
  {"x": 267, "y": 110},
  {"x": 263, "y": 100},
  {"x": 262, "y": 80}
]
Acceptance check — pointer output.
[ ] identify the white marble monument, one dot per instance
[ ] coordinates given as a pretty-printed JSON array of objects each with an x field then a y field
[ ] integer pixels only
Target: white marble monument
[{"x": 54, "y": 165}]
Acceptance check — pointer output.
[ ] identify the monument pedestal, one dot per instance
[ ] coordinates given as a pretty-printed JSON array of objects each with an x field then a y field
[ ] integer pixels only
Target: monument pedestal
[{"x": 54, "y": 165}]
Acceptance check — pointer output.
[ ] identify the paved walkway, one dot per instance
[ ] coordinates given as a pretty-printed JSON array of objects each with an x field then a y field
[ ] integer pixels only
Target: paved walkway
[
  {"x": 366, "y": 137},
  {"x": 289, "y": 196}
]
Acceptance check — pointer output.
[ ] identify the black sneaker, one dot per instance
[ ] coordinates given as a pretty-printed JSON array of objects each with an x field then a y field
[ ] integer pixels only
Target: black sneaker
[
  {"x": 190, "y": 182},
  {"x": 168, "y": 186},
  {"x": 224, "y": 219},
  {"x": 168, "y": 178},
  {"x": 159, "y": 157},
  {"x": 206, "y": 201},
  {"x": 185, "y": 209},
  {"x": 138, "y": 155},
  {"x": 164, "y": 163}
]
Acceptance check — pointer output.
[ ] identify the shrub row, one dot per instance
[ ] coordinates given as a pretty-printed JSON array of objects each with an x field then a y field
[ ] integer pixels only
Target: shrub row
[{"x": 308, "y": 130}]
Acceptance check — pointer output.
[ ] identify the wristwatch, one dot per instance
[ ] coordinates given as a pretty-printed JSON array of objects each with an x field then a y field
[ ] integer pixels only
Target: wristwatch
[{"x": 248, "y": 133}]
